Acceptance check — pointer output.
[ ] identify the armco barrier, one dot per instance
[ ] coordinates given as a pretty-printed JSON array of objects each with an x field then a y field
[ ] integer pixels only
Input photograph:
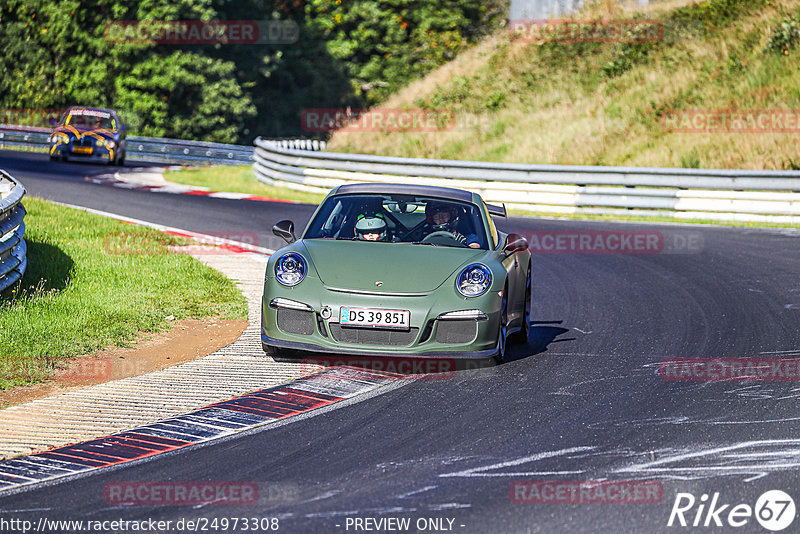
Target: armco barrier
[
  {"x": 12, "y": 230},
  {"x": 728, "y": 195},
  {"x": 155, "y": 149}
]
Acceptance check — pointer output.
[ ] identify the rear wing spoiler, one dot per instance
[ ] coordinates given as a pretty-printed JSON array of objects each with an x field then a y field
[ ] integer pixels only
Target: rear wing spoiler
[{"x": 499, "y": 211}]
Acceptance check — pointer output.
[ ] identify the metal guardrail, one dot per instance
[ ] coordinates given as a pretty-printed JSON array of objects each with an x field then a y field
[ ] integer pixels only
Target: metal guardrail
[
  {"x": 764, "y": 196},
  {"x": 13, "y": 259},
  {"x": 155, "y": 149}
]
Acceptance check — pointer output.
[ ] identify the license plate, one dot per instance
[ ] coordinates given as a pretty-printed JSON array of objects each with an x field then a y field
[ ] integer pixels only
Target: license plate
[
  {"x": 81, "y": 150},
  {"x": 375, "y": 318}
]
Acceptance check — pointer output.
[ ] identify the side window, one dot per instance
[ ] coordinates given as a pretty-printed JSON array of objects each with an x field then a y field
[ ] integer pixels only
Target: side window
[{"x": 333, "y": 222}]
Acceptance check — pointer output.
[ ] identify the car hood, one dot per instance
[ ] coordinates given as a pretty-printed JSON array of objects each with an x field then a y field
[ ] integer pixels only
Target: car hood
[
  {"x": 77, "y": 133},
  {"x": 402, "y": 268}
]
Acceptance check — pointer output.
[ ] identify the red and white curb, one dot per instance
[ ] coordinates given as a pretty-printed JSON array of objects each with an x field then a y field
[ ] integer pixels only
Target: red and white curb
[
  {"x": 323, "y": 388},
  {"x": 165, "y": 410},
  {"x": 228, "y": 245},
  {"x": 130, "y": 182}
]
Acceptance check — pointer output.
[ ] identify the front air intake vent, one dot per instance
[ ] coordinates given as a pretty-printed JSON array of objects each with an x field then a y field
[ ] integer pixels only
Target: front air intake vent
[
  {"x": 373, "y": 336},
  {"x": 461, "y": 331},
  {"x": 296, "y": 321}
]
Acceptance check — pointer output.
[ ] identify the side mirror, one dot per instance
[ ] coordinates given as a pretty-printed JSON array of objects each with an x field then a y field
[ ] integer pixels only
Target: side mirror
[
  {"x": 285, "y": 230},
  {"x": 515, "y": 243}
]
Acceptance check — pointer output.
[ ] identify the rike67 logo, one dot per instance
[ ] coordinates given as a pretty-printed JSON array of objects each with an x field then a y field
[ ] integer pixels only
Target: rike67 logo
[{"x": 774, "y": 510}]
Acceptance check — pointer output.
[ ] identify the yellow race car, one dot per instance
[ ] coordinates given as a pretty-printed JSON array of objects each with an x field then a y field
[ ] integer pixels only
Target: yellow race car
[{"x": 89, "y": 133}]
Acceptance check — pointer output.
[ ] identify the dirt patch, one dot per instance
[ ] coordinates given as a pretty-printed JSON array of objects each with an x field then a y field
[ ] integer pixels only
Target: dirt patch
[{"x": 189, "y": 339}]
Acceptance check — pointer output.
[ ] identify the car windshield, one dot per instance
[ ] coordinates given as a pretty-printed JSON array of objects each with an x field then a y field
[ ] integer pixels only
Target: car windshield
[
  {"x": 395, "y": 218},
  {"x": 89, "y": 119}
]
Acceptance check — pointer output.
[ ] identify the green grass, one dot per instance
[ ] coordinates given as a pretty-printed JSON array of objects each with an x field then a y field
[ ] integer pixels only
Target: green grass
[
  {"x": 606, "y": 103},
  {"x": 238, "y": 179},
  {"x": 94, "y": 282}
]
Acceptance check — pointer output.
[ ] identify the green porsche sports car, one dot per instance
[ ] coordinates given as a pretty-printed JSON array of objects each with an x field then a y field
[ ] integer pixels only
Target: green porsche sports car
[{"x": 397, "y": 270}]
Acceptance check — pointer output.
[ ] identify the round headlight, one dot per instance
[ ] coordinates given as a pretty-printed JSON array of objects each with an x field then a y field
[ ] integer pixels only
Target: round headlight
[
  {"x": 290, "y": 269},
  {"x": 474, "y": 280}
]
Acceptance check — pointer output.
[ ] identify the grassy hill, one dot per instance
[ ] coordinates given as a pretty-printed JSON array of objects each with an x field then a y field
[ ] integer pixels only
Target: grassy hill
[{"x": 606, "y": 103}]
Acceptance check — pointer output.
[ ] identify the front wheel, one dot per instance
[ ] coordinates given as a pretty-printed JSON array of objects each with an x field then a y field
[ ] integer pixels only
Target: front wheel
[
  {"x": 502, "y": 330},
  {"x": 521, "y": 337}
]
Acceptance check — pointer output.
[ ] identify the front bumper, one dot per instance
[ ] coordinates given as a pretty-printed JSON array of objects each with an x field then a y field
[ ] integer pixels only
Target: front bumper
[
  {"x": 267, "y": 341},
  {"x": 428, "y": 336},
  {"x": 98, "y": 153}
]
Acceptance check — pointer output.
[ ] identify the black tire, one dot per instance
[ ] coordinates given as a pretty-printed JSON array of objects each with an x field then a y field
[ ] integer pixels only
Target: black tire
[
  {"x": 502, "y": 330},
  {"x": 121, "y": 161},
  {"x": 521, "y": 337}
]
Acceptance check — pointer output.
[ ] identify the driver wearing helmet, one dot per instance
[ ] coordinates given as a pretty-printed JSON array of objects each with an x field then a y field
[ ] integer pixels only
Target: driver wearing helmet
[
  {"x": 442, "y": 217},
  {"x": 371, "y": 228}
]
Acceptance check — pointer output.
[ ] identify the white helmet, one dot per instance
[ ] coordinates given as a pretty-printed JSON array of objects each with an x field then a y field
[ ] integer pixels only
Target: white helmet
[{"x": 373, "y": 224}]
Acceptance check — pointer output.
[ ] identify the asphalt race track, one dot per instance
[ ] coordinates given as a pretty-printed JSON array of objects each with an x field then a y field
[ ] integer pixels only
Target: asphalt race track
[
  {"x": 584, "y": 400},
  {"x": 65, "y": 182}
]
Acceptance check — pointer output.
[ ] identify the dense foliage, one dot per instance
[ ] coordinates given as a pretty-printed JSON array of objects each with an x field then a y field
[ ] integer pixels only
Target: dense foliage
[
  {"x": 57, "y": 53},
  {"x": 383, "y": 44}
]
